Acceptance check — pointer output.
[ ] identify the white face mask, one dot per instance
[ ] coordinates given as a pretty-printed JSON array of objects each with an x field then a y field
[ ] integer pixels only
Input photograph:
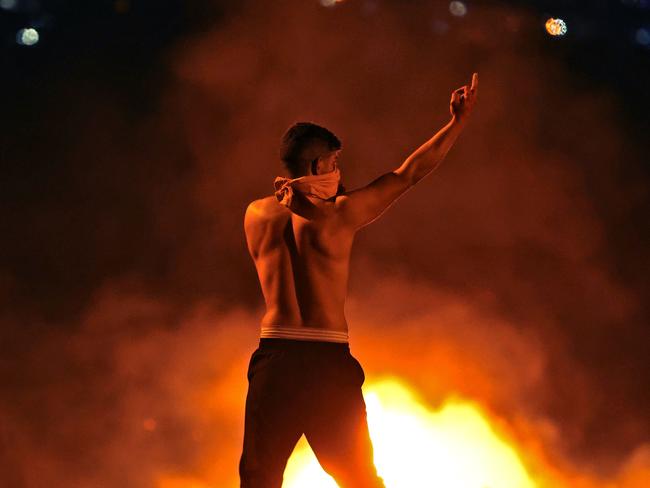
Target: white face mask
[{"x": 322, "y": 186}]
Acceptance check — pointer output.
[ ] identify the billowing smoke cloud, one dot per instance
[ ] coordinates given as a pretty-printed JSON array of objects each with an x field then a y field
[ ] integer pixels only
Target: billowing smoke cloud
[
  {"x": 495, "y": 278},
  {"x": 512, "y": 215}
]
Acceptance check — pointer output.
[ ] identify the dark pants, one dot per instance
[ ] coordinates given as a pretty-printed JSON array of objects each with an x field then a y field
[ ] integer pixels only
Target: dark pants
[{"x": 309, "y": 387}]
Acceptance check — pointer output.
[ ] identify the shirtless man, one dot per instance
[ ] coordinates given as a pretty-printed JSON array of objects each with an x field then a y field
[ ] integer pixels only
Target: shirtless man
[{"x": 302, "y": 377}]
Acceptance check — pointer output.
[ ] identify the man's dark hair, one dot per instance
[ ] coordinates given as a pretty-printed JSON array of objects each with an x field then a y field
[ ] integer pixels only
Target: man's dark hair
[{"x": 304, "y": 142}]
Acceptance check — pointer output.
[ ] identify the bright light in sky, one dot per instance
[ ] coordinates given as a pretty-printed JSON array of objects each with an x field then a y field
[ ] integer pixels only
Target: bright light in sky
[
  {"x": 453, "y": 447},
  {"x": 556, "y": 27},
  {"x": 329, "y": 3},
  {"x": 457, "y": 8},
  {"x": 642, "y": 36},
  {"x": 8, "y": 4},
  {"x": 27, "y": 37}
]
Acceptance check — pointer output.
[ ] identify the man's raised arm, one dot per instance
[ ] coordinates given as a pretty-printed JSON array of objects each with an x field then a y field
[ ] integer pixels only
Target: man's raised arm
[{"x": 363, "y": 206}]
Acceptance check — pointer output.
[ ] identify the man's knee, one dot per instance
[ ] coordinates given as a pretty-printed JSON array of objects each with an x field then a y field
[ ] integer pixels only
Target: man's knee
[
  {"x": 258, "y": 479},
  {"x": 258, "y": 476}
]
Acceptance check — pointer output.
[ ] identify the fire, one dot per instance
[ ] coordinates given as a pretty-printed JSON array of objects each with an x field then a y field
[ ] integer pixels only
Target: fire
[{"x": 454, "y": 447}]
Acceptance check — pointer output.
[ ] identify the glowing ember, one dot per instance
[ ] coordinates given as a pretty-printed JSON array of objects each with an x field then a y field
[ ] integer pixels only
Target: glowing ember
[
  {"x": 149, "y": 424},
  {"x": 453, "y": 447},
  {"x": 329, "y": 3},
  {"x": 556, "y": 27}
]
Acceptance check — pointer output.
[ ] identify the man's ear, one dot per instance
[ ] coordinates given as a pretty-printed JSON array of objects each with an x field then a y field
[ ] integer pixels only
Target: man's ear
[{"x": 314, "y": 166}]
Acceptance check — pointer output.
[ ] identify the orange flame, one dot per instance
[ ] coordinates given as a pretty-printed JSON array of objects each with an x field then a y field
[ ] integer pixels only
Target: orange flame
[{"x": 454, "y": 446}]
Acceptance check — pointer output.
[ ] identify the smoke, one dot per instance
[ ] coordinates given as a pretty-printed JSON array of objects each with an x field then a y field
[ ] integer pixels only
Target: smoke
[
  {"x": 511, "y": 215},
  {"x": 130, "y": 396},
  {"x": 498, "y": 278}
]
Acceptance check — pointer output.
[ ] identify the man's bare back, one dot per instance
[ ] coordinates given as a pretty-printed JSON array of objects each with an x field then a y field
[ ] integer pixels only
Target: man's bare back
[
  {"x": 302, "y": 265},
  {"x": 302, "y": 253}
]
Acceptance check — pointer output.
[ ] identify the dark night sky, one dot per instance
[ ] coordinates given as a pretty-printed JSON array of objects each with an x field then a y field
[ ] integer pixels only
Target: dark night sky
[{"x": 134, "y": 133}]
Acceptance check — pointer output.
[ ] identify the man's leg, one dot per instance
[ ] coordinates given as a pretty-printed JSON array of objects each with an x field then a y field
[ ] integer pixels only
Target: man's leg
[
  {"x": 337, "y": 427},
  {"x": 271, "y": 427}
]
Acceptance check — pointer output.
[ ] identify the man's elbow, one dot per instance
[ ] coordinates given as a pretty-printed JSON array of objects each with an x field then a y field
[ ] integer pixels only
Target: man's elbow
[{"x": 406, "y": 176}]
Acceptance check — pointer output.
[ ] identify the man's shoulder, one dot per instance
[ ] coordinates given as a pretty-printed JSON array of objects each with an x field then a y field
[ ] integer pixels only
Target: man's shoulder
[
  {"x": 260, "y": 202},
  {"x": 265, "y": 207},
  {"x": 341, "y": 201},
  {"x": 342, "y": 197}
]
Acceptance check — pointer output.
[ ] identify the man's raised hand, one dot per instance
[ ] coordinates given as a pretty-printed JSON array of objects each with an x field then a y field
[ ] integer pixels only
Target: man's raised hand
[{"x": 463, "y": 100}]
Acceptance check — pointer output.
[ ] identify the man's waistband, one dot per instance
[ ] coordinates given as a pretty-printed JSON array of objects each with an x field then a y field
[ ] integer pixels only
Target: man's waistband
[
  {"x": 304, "y": 334},
  {"x": 302, "y": 346}
]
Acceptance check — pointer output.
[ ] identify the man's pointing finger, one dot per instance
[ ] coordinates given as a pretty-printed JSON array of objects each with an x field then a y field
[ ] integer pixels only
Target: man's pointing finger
[{"x": 474, "y": 81}]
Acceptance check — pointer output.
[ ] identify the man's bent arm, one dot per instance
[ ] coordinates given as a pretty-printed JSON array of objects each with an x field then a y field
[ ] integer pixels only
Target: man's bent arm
[{"x": 362, "y": 206}]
